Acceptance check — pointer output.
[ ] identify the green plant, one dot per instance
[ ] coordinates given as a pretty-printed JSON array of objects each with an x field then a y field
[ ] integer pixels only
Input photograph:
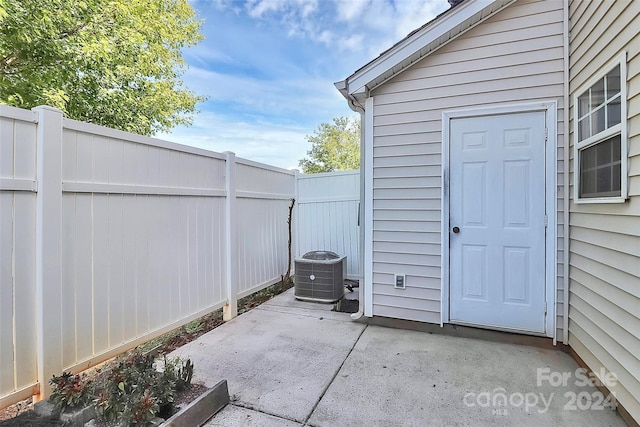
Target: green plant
[
  {"x": 194, "y": 327},
  {"x": 134, "y": 392},
  {"x": 141, "y": 408},
  {"x": 180, "y": 371},
  {"x": 69, "y": 391},
  {"x": 108, "y": 407}
]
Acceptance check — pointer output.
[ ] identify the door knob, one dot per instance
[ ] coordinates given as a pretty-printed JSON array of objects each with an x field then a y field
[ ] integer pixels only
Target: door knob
[{"x": 456, "y": 230}]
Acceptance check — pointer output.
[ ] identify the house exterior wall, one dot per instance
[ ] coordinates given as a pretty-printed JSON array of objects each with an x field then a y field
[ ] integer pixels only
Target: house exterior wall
[
  {"x": 604, "y": 272},
  {"x": 514, "y": 56}
]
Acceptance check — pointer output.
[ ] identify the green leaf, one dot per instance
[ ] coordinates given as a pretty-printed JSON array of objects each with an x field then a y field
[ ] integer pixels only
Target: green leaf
[
  {"x": 116, "y": 63},
  {"x": 334, "y": 147}
]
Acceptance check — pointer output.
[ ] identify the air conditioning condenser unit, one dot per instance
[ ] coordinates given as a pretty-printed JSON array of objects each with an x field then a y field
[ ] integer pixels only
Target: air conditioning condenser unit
[{"x": 319, "y": 276}]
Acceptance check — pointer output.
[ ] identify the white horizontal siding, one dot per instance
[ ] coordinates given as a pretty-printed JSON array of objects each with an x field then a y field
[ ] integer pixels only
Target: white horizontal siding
[
  {"x": 604, "y": 315},
  {"x": 513, "y": 57}
]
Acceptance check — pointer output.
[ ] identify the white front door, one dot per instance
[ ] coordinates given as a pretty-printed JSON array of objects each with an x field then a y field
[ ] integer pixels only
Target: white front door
[{"x": 497, "y": 221}]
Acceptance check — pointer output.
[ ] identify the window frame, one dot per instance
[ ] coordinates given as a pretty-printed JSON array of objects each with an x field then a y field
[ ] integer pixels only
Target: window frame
[{"x": 593, "y": 140}]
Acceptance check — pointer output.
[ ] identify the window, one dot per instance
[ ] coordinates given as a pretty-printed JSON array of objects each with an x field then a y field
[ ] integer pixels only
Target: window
[{"x": 600, "y": 132}]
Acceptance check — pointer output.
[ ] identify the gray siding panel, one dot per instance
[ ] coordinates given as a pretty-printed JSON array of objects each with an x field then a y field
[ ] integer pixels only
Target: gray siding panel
[
  {"x": 604, "y": 300},
  {"x": 515, "y": 56}
]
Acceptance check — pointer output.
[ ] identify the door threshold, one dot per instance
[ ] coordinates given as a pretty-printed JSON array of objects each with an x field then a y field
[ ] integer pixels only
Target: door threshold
[
  {"x": 499, "y": 328},
  {"x": 473, "y": 332}
]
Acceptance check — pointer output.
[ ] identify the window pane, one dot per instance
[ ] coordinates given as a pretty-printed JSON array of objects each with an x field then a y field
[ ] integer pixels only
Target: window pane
[
  {"x": 583, "y": 129},
  {"x": 613, "y": 112},
  {"x": 588, "y": 183},
  {"x": 616, "y": 181},
  {"x": 588, "y": 158},
  {"x": 597, "y": 121},
  {"x": 583, "y": 104},
  {"x": 600, "y": 169},
  {"x": 604, "y": 179},
  {"x": 603, "y": 151},
  {"x": 613, "y": 82},
  {"x": 615, "y": 141},
  {"x": 597, "y": 93}
]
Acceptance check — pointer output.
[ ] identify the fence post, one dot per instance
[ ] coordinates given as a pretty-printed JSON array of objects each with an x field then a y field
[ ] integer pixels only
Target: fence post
[
  {"x": 296, "y": 223},
  {"x": 48, "y": 246},
  {"x": 231, "y": 236}
]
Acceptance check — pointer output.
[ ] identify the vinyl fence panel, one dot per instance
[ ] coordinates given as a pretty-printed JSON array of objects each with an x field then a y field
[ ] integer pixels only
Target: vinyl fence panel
[
  {"x": 327, "y": 215},
  {"x": 142, "y": 238},
  {"x": 18, "y": 341},
  {"x": 263, "y": 196}
]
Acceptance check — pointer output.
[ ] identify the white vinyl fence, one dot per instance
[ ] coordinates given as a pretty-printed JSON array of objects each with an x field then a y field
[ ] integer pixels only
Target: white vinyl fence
[
  {"x": 109, "y": 239},
  {"x": 327, "y": 215},
  {"x": 18, "y": 305}
]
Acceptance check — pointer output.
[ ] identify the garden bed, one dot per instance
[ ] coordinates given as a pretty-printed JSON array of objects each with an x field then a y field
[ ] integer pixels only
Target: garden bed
[{"x": 22, "y": 413}]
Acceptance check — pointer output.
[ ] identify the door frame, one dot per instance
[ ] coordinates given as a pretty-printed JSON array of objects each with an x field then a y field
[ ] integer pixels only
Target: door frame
[{"x": 551, "y": 175}]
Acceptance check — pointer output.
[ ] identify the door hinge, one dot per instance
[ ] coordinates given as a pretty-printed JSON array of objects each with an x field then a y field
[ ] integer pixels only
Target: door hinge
[
  {"x": 546, "y": 221},
  {"x": 545, "y": 308},
  {"x": 546, "y": 134}
]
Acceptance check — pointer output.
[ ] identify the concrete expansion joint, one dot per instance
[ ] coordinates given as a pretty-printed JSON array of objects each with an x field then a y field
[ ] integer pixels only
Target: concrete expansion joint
[
  {"x": 317, "y": 315},
  {"x": 335, "y": 374},
  {"x": 253, "y": 408}
]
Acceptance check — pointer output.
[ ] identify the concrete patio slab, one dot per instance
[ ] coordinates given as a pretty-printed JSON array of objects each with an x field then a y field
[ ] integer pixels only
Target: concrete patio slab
[
  {"x": 286, "y": 303},
  {"x": 238, "y": 416},
  {"x": 398, "y": 377},
  {"x": 275, "y": 361},
  {"x": 297, "y": 363}
]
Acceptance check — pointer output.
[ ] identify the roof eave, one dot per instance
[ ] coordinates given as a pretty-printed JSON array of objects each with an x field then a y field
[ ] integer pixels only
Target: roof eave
[
  {"x": 355, "y": 99},
  {"x": 420, "y": 44}
]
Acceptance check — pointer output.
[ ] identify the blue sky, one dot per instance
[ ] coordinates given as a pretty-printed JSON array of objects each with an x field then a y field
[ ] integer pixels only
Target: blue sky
[{"x": 268, "y": 68}]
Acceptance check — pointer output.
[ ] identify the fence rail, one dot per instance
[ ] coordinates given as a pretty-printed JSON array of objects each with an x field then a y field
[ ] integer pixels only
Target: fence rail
[{"x": 109, "y": 239}]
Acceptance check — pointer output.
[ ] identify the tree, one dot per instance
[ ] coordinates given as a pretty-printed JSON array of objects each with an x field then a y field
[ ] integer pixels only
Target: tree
[
  {"x": 116, "y": 63},
  {"x": 333, "y": 147}
]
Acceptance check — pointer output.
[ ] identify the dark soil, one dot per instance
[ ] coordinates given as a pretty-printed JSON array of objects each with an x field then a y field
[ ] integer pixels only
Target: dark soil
[
  {"x": 21, "y": 414},
  {"x": 31, "y": 419},
  {"x": 189, "y": 395}
]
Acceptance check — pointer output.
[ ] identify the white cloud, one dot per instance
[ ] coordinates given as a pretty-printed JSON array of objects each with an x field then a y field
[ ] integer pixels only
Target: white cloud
[
  {"x": 353, "y": 43},
  {"x": 269, "y": 143},
  {"x": 348, "y": 10},
  {"x": 302, "y": 8},
  {"x": 257, "y": 8},
  {"x": 326, "y": 37},
  {"x": 414, "y": 14},
  {"x": 300, "y": 95},
  {"x": 204, "y": 54},
  {"x": 307, "y": 7}
]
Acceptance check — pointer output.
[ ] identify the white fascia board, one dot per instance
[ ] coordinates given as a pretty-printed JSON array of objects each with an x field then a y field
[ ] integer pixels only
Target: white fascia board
[{"x": 414, "y": 43}]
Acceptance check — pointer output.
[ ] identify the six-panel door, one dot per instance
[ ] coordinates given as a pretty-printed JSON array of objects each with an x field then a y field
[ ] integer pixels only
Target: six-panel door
[{"x": 497, "y": 201}]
